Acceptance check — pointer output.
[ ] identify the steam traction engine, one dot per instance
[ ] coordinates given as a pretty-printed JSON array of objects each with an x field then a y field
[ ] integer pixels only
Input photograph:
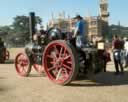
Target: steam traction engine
[{"x": 57, "y": 55}]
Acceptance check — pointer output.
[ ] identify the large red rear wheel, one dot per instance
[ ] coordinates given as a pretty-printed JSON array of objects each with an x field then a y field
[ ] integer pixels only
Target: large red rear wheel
[
  {"x": 60, "y": 62},
  {"x": 22, "y": 64}
]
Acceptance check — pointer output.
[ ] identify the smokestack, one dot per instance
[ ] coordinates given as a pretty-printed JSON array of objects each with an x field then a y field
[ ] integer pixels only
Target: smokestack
[{"x": 32, "y": 25}]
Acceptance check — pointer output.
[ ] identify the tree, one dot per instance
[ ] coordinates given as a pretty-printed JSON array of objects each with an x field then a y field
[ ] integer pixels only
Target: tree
[
  {"x": 119, "y": 30},
  {"x": 21, "y": 27},
  {"x": 5, "y": 29},
  {"x": 21, "y": 23}
]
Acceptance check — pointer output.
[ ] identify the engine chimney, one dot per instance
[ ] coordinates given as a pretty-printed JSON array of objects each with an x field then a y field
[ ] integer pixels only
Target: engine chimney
[{"x": 32, "y": 25}]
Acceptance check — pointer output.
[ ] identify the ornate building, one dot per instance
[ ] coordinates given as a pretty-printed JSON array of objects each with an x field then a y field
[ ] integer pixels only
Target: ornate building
[
  {"x": 95, "y": 25},
  {"x": 104, "y": 14}
]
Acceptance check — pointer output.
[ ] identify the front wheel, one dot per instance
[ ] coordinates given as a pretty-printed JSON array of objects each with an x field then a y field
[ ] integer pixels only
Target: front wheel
[
  {"x": 22, "y": 64},
  {"x": 60, "y": 62}
]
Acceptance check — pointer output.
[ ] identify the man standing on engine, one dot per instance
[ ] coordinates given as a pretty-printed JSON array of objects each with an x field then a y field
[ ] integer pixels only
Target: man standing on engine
[{"x": 79, "y": 32}]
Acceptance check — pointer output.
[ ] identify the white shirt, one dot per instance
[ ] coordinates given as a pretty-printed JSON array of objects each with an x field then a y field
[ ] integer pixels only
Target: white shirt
[{"x": 126, "y": 46}]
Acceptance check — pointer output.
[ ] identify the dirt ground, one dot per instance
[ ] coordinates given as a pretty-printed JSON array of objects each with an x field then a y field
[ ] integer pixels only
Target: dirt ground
[{"x": 104, "y": 87}]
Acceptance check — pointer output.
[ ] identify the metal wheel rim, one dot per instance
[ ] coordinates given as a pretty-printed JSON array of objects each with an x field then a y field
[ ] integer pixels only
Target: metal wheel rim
[
  {"x": 22, "y": 64},
  {"x": 58, "y": 68}
]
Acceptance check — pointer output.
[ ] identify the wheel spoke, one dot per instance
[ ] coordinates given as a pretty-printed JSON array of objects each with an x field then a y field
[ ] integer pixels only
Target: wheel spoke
[
  {"x": 23, "y": 69},
  {"x": 61, "y": 50},
  {"x": 65, "y": 73},
  {"x": 69, "y": 62},
  {"x": 52, "y": 68},
  {"x": 64, "y": 52},
  {"x": 52, "y": 62},
  {"x": 56, "y": 50},
  {"x": 59, "y": 74},
  {"x": 18, "y": 61},
  {"x": 25, "y": 62},
  {"x": 66, "y": 66},
  {"x": 49, "y": 56},
  {"x": 53, "y": 53},
  {"x": 67, "y": 57}
]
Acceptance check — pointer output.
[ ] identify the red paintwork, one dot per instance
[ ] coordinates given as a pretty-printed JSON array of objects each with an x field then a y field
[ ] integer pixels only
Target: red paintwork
[
  {"x": 38, "y": 68},
  {"x": 22, "y": 64},
  {"x": 58, "y": 58}
]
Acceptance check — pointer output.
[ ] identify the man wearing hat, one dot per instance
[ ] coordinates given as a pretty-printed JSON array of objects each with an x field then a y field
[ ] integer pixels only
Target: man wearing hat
[{"x": 79, "y": 32}]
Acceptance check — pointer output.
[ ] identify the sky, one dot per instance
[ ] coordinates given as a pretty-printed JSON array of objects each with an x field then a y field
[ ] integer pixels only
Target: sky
[{"x": 44, "y": 8}]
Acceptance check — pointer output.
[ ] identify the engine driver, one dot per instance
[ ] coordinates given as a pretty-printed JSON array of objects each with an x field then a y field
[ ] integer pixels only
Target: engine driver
[{"x": 79, "y": 32}]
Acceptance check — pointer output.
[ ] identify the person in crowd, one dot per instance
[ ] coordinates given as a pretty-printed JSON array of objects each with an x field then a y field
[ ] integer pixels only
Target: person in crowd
[
  {"x": 126, "y": 52},
  {"x": 116, "y": 47},
  {"x": 103, "y": 51},
  {"x": 107, "y": 57},
  {"x": 121, "y": 42}
]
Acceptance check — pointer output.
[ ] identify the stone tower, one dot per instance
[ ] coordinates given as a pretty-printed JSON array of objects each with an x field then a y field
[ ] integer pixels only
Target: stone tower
[{"x": 104, "y": 14}]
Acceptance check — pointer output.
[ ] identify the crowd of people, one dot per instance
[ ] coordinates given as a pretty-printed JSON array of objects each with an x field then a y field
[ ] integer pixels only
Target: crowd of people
[{"x": 120, "y": 54}]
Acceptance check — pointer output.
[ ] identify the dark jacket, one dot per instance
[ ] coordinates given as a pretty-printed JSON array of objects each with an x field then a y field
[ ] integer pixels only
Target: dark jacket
[{"x": 117, "y": 44}]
